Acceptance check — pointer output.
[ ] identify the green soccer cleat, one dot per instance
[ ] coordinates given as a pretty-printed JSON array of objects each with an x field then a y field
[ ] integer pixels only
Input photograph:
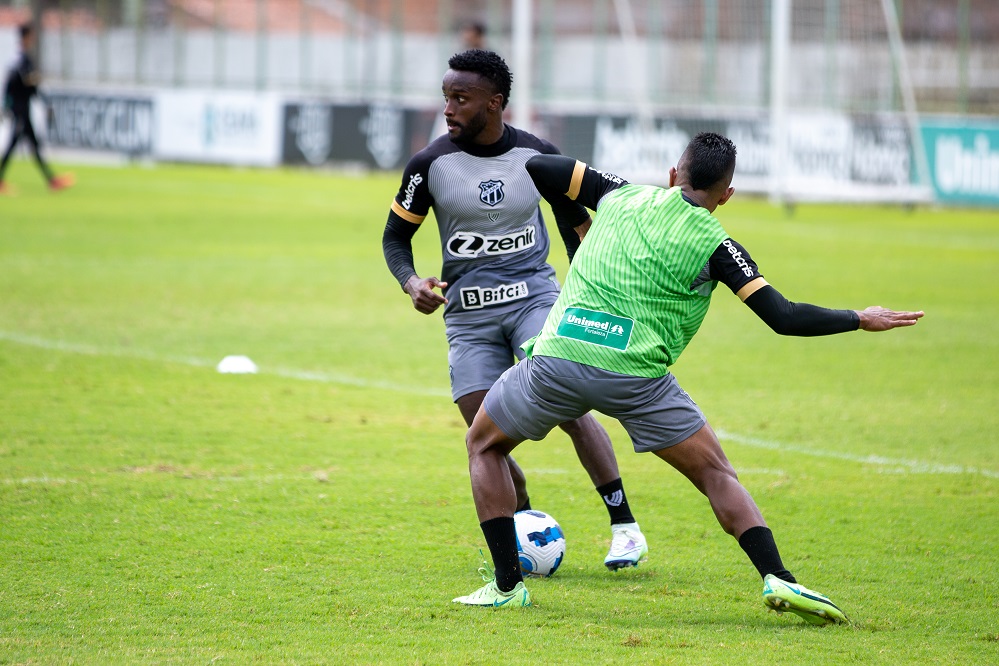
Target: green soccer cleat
[
  {"x": 490, "y": 596},
  {"x": 811, "y": 606}
]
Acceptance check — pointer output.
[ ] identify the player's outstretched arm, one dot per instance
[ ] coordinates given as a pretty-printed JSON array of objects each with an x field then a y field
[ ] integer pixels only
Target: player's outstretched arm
[
  {"x": 731, "y": 264},
  {"x": 877, "y": 318},
  {"x": 805, "y": 320}
]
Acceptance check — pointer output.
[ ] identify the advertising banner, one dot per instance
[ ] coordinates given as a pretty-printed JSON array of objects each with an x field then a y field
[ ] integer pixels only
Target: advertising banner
[
  {"x": 830, "y": 156},
  {"x": 825, "y": 152},
  {"x": 373, "y": 135},
  {"x": 122, "y": 124},
  {"x": 642, "y": 151},
  {"x": 224, "y": 127},
  {"x": 964, "y": 159}
]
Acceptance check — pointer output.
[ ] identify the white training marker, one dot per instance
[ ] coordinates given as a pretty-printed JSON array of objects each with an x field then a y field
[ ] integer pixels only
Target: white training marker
[{"x": 237, "y": 365}]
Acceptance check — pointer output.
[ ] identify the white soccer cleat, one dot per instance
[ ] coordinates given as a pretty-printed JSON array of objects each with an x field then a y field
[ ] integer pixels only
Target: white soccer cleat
[{"x": 628, "y": 547}]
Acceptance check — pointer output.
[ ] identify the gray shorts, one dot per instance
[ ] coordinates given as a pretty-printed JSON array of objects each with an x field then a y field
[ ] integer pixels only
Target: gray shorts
[
  {"x": 534, "y": 396},
  {"x": 481, "y": 348}
]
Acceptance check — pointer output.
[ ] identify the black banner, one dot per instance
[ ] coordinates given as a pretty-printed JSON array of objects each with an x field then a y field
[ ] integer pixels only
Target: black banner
[{"x": 375, "y": 135}]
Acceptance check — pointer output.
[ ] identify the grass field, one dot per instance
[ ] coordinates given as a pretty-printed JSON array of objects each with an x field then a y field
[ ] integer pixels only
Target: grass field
[{"x": 153, "y": 510}]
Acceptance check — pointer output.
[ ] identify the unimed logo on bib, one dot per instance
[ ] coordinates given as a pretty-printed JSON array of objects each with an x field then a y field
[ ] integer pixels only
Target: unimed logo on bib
[{"x": 596, "y": 328}]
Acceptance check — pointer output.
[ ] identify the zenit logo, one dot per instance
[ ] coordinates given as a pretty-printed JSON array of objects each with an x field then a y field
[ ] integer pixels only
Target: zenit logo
[
  {"x": 739, "y": 259},
  {"x": 470, "y": 245},
  {"x": 475, "y": 298}
]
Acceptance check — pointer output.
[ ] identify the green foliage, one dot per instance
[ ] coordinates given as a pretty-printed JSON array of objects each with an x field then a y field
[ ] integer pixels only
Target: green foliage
[{"x": 153, "y": 510}]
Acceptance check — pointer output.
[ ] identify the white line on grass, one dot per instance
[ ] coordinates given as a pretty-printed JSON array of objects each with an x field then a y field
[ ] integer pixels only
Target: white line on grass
[
  {"x": 37, "y": 480},
  {"x": 249, "y": 478},
  {"x": 290, "y": 373},
  {"x": 910, "y": 466},
  {"x": 899, "y": 464}
]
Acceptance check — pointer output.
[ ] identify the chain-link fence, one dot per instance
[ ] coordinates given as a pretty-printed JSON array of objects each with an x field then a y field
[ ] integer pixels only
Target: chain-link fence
[{"x": 593, "y": 54}]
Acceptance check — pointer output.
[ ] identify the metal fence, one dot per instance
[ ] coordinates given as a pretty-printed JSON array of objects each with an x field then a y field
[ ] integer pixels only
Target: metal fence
[{"x": 594, "y": 54}]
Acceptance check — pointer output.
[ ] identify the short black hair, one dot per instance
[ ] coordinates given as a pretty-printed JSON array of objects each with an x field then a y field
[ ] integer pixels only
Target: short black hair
[
  {"x": 708, "y": 159},
  {"x": 25, "y": 29},
  {"x": 488, "y": 65}
]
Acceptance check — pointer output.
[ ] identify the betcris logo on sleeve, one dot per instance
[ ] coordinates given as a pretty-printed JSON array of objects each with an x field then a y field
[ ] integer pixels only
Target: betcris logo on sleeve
[
  {"x": 414, "y": 182},
  {"x": 739, "y": 259}
]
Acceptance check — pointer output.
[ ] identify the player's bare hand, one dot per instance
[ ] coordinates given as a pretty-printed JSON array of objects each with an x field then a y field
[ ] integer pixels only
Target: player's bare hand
[
  {"x": 877, "y": 318},
  {"x": 583, "y": 228},
  {"x": 421, "y": 290}
]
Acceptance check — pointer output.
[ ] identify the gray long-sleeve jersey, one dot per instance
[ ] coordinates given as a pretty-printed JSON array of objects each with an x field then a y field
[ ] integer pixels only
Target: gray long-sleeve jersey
[{"x": 494, "y": 244}]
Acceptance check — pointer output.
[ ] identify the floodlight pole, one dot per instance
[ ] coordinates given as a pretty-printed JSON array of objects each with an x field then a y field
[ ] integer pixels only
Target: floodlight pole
[
  {"x": 780, "y": 39},
  {"x": 523, "y": 39}
]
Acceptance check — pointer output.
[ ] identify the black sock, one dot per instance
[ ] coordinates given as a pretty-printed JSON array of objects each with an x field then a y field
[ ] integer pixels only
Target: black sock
[
  {"x": 616, "y": 502},
  {"x": 501, "y": 538},
  {"x": 526, "y": 506},
  {"x": 758, "y": 542}
]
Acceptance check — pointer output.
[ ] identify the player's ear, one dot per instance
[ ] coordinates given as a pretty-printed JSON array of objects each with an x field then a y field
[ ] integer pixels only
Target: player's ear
[
  {"x": 725, "y": 197},
  {"x": 496, "y": 102},
  {"x": 672, "y": 176}
]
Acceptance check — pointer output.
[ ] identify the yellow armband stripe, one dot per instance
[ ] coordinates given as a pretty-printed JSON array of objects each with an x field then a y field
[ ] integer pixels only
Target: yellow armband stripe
[
  {"x": 577, "y": 180},
  {"x": 405, "y": 214},
  {"x": 751, "y": 288}
]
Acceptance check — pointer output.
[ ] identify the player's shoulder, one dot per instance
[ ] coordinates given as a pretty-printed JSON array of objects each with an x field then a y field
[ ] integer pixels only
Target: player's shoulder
[
  {"x": 524, "y": 139},
  {"x": 437, "y": 148}
]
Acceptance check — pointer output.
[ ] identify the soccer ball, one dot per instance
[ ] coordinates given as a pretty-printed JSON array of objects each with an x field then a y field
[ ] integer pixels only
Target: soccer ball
[{"x": 540, "y": 543}]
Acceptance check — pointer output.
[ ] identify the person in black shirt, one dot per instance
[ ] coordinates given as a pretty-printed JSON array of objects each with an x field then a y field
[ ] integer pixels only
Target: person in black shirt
[{"x": 21, "y": 86}]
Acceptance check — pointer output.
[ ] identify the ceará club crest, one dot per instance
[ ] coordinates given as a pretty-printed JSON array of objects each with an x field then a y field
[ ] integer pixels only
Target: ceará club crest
[{"x": 491, "y": 192}]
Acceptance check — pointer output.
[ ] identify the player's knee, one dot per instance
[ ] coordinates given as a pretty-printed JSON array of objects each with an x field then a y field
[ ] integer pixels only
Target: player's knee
[
  {"x": 474, "y": 442},
  {"x": 479, "y": 440}
]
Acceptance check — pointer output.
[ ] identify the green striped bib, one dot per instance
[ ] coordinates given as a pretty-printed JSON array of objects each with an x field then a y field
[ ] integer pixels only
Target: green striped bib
[{"x": 627, "y": 305}]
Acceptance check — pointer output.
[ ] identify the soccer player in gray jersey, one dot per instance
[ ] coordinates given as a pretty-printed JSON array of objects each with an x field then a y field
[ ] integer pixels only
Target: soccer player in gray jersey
[
  {"x": 496, "y": 284},
  {"x": 636, "y": 293}
]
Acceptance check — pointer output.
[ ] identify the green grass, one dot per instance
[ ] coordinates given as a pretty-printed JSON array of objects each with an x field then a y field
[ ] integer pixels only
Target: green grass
[{"x": 153, "y": 510}]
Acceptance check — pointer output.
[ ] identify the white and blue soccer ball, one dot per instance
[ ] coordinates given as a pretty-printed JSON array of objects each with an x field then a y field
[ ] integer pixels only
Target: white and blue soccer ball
[{"x": 540, "y": 542}]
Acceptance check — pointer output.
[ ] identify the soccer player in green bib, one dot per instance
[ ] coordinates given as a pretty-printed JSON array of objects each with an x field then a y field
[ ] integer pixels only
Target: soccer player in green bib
[{"x": 636, "y": 293}]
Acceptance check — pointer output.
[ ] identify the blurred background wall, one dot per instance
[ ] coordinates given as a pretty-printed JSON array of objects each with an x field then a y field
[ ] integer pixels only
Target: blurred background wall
[
  {"x": 620, "y": 82},
  {"x": 683, "y": 52}
]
